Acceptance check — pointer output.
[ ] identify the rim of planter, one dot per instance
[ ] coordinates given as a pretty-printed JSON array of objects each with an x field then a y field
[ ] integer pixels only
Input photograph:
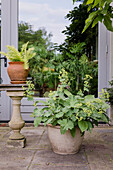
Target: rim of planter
[
  {"x": 14, "y": 62},
  {"x": 57, "y": 127}
]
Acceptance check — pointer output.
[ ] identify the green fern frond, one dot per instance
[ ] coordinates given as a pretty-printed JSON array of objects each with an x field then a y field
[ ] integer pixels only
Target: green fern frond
[
  {"x": 13, "y": 53},
  {"x": 5, "y": 54}
]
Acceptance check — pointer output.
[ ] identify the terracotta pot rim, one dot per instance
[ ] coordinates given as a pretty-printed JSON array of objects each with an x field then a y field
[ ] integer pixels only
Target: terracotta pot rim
[{"x": 16, "y": 62}]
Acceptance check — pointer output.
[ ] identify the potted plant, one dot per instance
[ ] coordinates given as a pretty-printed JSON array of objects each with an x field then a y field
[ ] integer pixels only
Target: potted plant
[
  {"x": 18, "y": 68},
  {"x": 110, "y": 92},
  {"x": 68, "y": 116}
]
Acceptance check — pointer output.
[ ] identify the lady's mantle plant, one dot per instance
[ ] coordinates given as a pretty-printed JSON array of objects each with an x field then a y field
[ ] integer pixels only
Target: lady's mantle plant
[{"x": 68, "y": 111}]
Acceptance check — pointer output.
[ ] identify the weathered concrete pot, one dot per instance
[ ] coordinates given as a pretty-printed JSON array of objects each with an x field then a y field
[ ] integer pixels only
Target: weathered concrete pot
[
  {"x": 110, "y": 112},
  {"x": 64, "y": 144},
  {"x": 17, "y": 73}
]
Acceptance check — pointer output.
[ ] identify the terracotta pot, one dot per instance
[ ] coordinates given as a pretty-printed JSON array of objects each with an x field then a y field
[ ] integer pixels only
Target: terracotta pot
[
  {"x": 17, "y": 73},
  {"x": 64, "y": 143}
]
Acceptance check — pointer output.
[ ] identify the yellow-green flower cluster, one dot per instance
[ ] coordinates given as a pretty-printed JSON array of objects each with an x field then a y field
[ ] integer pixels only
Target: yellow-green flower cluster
[
  {"x": 54, "y": 98},
  {"x": 104, "y": 94},
  {"x": 100, "y": 111},
  {"x": 87, "y": 77},
  {"x": 78, "y": 105},
  {"x": 89, "y": 112},
  {"x": 63, "y": 76},
  {"x": 81, "y": 118},
  {"x": 88, "y": 103},
  {"x": 51, "y": 93}
]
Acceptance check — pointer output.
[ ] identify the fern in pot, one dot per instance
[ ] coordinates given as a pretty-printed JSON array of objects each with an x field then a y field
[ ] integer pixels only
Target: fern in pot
[
  {"x": 18, "y": 68},
  {"x": 68, "y": 116}
]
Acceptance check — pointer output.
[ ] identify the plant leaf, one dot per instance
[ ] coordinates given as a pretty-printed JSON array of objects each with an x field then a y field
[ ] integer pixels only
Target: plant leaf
[
  {"x": 108, "y": 23},
  {"x": 90, "y": 126},
  {"x": 74, "y": 1},
  {"x": 89, "y": 2},
  {"x": 96, "y": 3},
  {"x": 37, "y": 121},
  {"x": 73, "y": 132},
  {"x": 62, "y": 130},
  {"x": 83, "y": 125},
  {"x": 59, "y": 115},
  {"x": 89, "y": 98},
  {"x": 67, "y": 93},
  {"x": 69, "y": 125},
  {"x": 86, "y": 26}
]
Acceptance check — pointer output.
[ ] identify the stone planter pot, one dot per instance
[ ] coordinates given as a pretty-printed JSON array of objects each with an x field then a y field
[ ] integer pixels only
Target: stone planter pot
[
  {"x": 17, "y": 73},
  {"x": 64, "y": 144},
  {"x": 110, "y": 112}
]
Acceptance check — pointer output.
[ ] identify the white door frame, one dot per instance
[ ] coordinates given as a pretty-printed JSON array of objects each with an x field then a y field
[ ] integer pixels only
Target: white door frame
[
  {"x": 105, "y": 57},
  {"x": 9, "y": 36}
]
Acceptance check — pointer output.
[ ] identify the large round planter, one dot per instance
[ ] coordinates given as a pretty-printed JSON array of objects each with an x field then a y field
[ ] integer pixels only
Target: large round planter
[
  {"x": 64, "y": 143},
  {"x": 17, "y": 73}
]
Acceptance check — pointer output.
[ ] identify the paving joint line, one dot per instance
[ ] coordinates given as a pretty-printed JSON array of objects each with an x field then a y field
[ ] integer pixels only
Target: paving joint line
[
  {"x": 87, "y": 159},
  {"x": 34, "y": 152}
]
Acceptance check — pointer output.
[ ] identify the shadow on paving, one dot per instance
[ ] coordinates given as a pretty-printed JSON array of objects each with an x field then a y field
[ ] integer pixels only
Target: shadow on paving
[{"x": 96, "y": 152}]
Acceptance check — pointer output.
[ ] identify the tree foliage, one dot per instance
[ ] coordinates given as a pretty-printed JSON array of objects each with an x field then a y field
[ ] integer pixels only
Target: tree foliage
[
  {"x": 74, "y": 34},
  {"x": 76, "y": 63},
  {"x": 103, "y": 14},
  {"x": 38, "y": 37}
]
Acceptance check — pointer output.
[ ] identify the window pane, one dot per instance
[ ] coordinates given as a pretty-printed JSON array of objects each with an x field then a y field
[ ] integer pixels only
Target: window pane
[{"x": 41, "y": 22}]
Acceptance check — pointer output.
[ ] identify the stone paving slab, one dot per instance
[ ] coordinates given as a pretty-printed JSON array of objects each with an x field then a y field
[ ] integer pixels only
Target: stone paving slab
[
  {"x": 15, "y": 159},
  {"x": 99, "y": 148},
  {"x": 50, "y": 160},
  {"x": 33, "y": 136},
  {"x": 44, "y": 143},
  {"x": 96, "y": 152}
]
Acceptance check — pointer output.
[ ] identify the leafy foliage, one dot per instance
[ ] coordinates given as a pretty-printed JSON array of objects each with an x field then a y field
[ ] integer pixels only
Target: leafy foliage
[
  {"x": 68, "y": 110},
  {"x": 74, "y": 35},
  {"x": 79, "y": 50},
  {"x": 46, "y": 64},
  {"x": 103, "y": 14},
  {"x": 44, "y": 69},
  {"x": 35, "y": 38},
  {"x": 77, "y": 65}
]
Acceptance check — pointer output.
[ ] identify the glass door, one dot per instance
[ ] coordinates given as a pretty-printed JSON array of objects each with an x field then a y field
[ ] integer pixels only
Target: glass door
[
  {"x": 4, "y": 101},
  {"x": 9, "y": 36}
]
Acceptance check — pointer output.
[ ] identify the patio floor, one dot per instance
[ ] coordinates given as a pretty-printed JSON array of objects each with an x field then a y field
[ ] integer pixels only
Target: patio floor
[{"x": 96, "y": 151}]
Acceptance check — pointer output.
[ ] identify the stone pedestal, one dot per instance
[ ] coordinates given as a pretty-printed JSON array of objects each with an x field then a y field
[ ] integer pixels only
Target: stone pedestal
[{"x": 16, "y": 93}]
